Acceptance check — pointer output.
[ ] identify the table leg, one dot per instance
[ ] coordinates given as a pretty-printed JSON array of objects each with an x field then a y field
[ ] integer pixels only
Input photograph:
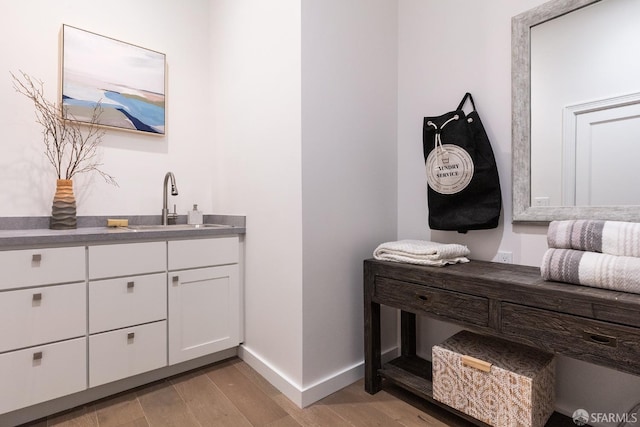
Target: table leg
[
  {"x": 407, "y": 333},
  {"x": 372, "y": 358}
]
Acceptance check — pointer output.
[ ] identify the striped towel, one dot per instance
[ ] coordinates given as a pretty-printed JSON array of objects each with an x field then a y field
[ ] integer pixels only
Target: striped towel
[
  {"x": 620, "y": 273},
  {"x": 608, "y": 237},
  {"x": 422, "y": 252}
]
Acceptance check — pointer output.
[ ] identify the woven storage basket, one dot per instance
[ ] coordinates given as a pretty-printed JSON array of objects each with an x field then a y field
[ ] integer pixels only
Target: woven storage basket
[{"x": 496, "y": 381}]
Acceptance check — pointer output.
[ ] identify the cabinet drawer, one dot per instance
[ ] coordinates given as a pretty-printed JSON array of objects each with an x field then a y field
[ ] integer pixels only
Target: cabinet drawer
[
  {"x": 42, "y": 315},
  {"x": 34, "y": 267},
  {"x": 587, "y": 339},
  {"x": 42, "y": 373},
  {"x": 126, "y": 352},
  {"x": 127, "y": 259},
  {"x": 127, "y": 301},
  {"x": 427, "y": 300},
  {"x": 203, "y": 252}
]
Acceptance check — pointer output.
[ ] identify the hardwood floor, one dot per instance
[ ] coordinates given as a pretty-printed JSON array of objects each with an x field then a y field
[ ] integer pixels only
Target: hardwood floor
[{"x": 231, "y": 393}]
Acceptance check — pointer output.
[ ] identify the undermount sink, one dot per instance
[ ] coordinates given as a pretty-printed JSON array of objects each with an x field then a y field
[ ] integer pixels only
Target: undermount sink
[{"x": 176, "y": 227}]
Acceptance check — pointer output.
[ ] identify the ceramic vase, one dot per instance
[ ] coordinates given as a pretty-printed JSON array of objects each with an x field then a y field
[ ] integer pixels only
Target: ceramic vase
[{"x": 63, "y": 210}]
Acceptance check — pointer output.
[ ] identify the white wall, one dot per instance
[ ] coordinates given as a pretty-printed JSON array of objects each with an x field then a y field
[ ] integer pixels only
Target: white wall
[
  {"x": 138, "y": 161},
  {"x": 446, "y": 49},
  {"x": 256, "y": 123},
  {"x": 304, "y": 102},
  {"x": 349, "y": 101}
]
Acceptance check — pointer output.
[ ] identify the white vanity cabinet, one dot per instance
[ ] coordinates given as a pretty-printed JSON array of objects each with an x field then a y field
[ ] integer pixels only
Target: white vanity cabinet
[
  {"x": 43, "y": 314},
  {"x": 127, "y": 310},
  {"x": 204, "y": 297},
  {"x": 78, "y": 323}
]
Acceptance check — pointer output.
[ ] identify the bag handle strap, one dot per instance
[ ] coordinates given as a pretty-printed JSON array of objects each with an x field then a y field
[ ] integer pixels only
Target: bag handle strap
[
  {"x": 464, "y": 99},
  {"x": 438, "y": 138}
]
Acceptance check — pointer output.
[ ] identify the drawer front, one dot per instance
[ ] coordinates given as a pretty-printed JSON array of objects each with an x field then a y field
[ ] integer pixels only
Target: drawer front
[
  {"x": 599, "y": 342},
  {"x": 127, "y": 301},
  {"x": 426, "y": 300},
  {"x": 203, "y": 252},
  {"x": 42, "y": 315},
  {"x": 35, "y": 267},
  {"x": 42, "y": 373},
  {"x": 126, "y": 352},
  {"x": 127, "y": 259}
]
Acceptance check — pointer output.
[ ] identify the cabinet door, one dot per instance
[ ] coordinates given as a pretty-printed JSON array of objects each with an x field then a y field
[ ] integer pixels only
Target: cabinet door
[{"x": 204, "y": 314}]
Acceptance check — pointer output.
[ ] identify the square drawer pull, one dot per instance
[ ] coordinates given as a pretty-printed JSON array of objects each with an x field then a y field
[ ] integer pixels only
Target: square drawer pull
[
  {"x": 131, "y": 335},
  {"x": 37, "y": 355},
  {"x": 600, "y": 339},
  {"x": 175, "y": 279},
  {"x": 37, "y": 297},
  {"x": 130, "y": 285},
  {"x": 36, "y": 257}
]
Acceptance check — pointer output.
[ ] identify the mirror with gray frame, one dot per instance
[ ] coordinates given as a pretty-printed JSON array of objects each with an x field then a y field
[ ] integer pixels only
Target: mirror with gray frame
[{"x": 576, "y": 111}]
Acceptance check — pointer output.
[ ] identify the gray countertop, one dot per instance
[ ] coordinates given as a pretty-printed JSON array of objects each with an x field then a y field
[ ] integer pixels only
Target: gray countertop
[{"x": 22, "y": 232}]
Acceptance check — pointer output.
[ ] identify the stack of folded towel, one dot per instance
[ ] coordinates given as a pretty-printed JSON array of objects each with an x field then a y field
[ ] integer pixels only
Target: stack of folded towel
[
  {"x": 422, "y": 252},
  {"x": 601, "y": 254}
]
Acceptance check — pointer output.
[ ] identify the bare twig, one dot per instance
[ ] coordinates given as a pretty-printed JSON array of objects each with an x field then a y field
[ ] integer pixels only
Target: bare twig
[{"x": 69, "y": 147}]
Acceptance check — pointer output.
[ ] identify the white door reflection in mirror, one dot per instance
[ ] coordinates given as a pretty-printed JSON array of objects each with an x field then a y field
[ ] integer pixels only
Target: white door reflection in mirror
[
  {"x": 602, "y": 153},
  {"x": 589, "y": 54}
]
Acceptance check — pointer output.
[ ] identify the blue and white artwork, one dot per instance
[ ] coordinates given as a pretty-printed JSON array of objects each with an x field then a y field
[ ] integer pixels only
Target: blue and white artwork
[{"x": 128, "y": 81}]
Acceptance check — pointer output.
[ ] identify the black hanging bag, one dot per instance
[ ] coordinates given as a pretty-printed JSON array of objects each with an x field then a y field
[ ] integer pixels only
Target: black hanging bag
[{"x": 464, "y": 187}]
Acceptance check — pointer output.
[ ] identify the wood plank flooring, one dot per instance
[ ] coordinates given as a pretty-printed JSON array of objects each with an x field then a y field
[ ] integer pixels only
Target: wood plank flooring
[{"x": 232, "y": 394}]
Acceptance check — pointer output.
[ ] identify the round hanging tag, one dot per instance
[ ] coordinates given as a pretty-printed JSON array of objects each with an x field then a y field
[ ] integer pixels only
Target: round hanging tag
[{"x": 449, "y": 169}]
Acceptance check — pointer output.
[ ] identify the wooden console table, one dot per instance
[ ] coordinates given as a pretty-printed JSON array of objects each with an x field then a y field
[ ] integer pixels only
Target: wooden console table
[{"x": 505, "y": 300}]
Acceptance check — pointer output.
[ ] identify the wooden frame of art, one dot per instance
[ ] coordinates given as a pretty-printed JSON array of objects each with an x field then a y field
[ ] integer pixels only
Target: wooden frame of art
[{"x": 128, "y": 81}]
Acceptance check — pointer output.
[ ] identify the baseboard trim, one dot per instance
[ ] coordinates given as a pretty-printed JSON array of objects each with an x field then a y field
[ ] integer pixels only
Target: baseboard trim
[
  {"x": 271, "y": 374},
  {"x": 305, "y": 396}
]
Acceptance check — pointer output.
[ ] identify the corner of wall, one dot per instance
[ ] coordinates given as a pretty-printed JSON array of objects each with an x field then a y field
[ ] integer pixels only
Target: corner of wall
[{"x": 307, "y": 396}]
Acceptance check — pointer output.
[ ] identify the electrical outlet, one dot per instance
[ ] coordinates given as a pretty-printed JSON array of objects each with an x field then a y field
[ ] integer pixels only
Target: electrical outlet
[
  {"x": 504, "y": 257},
  {"x": 540, "y": 201}
]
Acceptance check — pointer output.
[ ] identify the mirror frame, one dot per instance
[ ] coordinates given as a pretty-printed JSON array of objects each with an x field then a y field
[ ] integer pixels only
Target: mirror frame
[{"x": 523, "y": 212}]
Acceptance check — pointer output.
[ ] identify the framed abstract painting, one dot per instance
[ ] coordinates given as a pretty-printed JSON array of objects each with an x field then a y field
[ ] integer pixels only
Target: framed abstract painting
[{"x": 127, "y": 81}]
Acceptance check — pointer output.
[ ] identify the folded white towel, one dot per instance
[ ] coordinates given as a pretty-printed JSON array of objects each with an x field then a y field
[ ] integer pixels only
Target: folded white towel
[{"x": 422, "y": 252}]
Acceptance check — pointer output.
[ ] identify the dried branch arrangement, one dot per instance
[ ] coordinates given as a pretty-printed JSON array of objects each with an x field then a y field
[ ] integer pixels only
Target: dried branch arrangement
[{"x": 70, "y": 147}]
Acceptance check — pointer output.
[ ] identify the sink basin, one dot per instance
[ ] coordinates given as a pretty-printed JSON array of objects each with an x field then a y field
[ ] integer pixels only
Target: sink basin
[{"x": 159, "y": 227}]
